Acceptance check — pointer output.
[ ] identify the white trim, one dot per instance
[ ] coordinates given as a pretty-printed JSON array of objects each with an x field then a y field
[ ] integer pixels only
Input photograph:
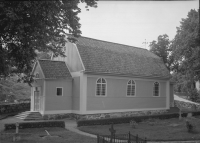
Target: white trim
[
  {"x": 60, "y": 112},
  {"x": 83, "y": 93},
  {"x": 41, "y": 69},
  {"x": 76, "y": 74},
  {"x": 101, "y": 83},
  {"x": 62, "y": 91},
  {"x": 158, "y": 89},
  {"x": 126, "y": 77},
  {"x": 44, "y": 96},
  {"x": 122, "y": 110},
  {"x": 79, "y": 56},
  {"x": 33, "y": 67},
  {"x": 127, "y": 88},
  {"x": 168, "y": 94},
  {"x": 32, "y": 98}
]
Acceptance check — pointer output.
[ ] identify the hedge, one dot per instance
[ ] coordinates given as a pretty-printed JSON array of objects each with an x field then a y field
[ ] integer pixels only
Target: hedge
[
  {"x": 120, "y": 120},
  {"x": 14, "y": 108},
  {"x": 36, "y": 125}
]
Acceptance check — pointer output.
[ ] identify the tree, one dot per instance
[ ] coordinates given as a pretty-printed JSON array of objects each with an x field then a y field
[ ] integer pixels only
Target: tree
[
  {"x": 30, "y": 26},
  {"x": 186, "y": 50},
  {"x": 162, "y": 49}
]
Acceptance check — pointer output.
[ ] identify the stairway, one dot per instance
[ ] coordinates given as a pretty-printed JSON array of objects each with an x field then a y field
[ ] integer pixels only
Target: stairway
[{"x": 29, "y": 115}]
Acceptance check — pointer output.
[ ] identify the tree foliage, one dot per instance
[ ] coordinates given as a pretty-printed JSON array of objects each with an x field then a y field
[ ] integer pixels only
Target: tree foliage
[
  {"x": 161, "y": 48},
  {"x": 182, "y": 54},
  {"x": 30, "y": 26},
  {"x": 186, "y": 50}
]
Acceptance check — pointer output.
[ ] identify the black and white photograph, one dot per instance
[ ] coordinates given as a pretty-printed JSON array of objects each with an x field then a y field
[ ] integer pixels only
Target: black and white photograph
[{"x": 99, "y": 71}]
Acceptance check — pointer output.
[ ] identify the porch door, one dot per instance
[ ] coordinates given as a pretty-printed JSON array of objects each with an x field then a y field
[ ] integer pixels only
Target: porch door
[{"x": 36, "y": 100}]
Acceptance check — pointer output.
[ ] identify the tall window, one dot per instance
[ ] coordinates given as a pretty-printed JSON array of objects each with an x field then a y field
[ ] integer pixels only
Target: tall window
[
  {"x": 156, "y": 89},
  {"x": 101, "y": 87},
  {"x": 131, "y": 88}
]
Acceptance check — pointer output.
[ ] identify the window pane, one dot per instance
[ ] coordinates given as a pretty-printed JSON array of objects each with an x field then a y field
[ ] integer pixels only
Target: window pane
[
  {"x": 99, "y": 80},
  {"x": 103, "y": 80},
  {"x": 129, "y": 90},
  {"x": 156, "y": 89},
  {"x": 103, "y": 92},
  {"x": 129, "y": 82},
  {"x": 59, "y": 91},
  {"x": 98, "y": 89},
  {"x": 133, "y": 90}
]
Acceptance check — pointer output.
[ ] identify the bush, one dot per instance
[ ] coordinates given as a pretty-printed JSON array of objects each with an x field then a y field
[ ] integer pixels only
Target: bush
[
  {"x": 36, "y": 125},
  {"x": 193, "y": 94},
  {"x": 14, "y": 107}
]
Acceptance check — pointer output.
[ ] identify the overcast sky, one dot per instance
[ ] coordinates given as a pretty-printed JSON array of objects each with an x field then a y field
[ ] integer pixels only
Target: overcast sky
[{"x": 131, "y": 22}]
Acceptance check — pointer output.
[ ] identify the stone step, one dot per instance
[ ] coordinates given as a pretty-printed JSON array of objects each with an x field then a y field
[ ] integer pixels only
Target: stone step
[
  {"x": 24, "y": 115},
  {"x": 29, "y": 115}
]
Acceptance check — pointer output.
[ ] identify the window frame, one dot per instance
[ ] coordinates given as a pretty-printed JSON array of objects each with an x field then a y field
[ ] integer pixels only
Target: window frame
[
  {"x": 154, "y": 89},
  {"x": 101, "y": 85},
  {"x": 131, "y": 88},
  {"x": 57, "y": 89}
]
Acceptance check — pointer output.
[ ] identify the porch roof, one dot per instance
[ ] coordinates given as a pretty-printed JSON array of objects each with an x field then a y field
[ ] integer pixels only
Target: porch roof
[{"x": 54, "y": 69}]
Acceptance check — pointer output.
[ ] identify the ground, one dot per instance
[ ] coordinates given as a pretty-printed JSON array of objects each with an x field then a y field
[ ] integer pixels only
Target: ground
[
  {"x": 153, "y": 129},
  {"x": 39, "y": 135}
]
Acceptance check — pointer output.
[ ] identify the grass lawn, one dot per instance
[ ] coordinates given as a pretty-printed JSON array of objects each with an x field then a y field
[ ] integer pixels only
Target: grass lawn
[
  {"x": 37, "y": 136},
  {"x": 153, "y": 129}
]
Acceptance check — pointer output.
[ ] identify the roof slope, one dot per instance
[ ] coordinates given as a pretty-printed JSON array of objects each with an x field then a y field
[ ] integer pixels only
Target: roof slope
[
  {"x": 54, "y": 69},
  {"x": 107, "y": 57}
]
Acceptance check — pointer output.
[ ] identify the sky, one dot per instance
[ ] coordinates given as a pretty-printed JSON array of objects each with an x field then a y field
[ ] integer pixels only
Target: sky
[{"x": 131, "y": 22}]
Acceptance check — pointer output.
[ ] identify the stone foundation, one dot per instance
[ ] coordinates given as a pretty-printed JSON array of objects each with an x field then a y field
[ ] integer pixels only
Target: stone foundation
[
  {"x": 57, "y": 116},
  {"x": 102, "y": 115},
  {"x": 120, "y": 114}
]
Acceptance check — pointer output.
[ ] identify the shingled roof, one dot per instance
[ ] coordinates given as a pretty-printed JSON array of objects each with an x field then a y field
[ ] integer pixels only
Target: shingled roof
[
  {"x": 54, "y": 69},
  {"x": 112, "y": 58}
]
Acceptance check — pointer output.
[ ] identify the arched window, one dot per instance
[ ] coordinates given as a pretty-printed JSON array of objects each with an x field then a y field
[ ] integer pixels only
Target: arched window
[
  {"x": 131, "y": 88},
  {"x": 156, "y": 89},
  {"x": 101, "y": 87}
]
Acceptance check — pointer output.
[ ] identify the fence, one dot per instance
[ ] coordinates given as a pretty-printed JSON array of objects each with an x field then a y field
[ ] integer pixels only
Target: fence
[{"x": 119, "y": 138}]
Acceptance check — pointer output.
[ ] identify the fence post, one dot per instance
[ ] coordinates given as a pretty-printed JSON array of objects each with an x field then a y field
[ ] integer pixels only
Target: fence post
[
  {"x": 129, "y": 137},
  {"x": 17, "y": 127},
  {"x": 112, "y": 131},
  {"x": 16, "y": 136},
  {"x": 137, "y": 138}
]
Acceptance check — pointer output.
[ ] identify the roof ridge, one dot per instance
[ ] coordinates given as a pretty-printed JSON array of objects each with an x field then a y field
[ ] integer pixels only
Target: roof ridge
[{"x": 113, "y": 43}]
